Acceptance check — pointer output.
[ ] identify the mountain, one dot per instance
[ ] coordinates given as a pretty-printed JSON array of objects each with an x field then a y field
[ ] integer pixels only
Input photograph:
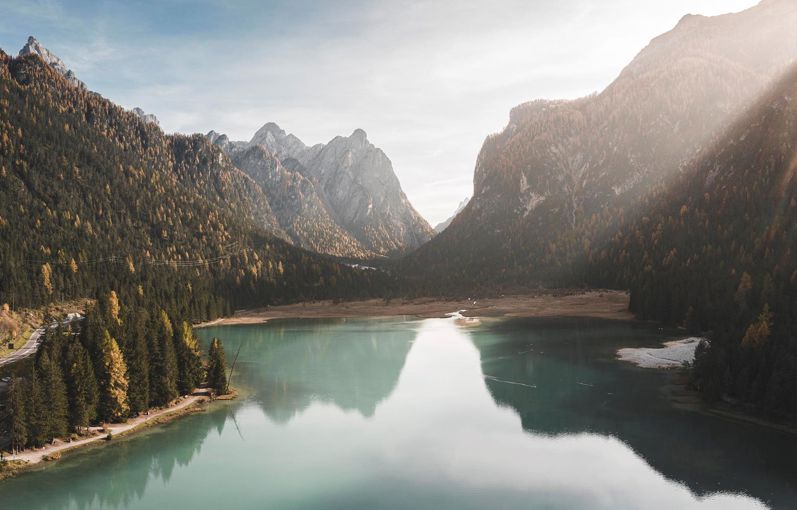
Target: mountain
[
  {"x": 94, "y": 198},
  {"x": 34, "y": 47},
  {"x": 444, "y": 224},
  {"x": 563, "y": 175},
  {"x": 146, "y": 117},
  {"x": 282, "y": 145},
  {"x": 301, "y": 212},
  {"x": 342, "y": 198},
  {"x": 715, "y": 251}
]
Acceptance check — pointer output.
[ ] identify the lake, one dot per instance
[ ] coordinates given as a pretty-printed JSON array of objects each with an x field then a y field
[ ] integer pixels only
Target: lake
[{"x": 426, "y": 414}]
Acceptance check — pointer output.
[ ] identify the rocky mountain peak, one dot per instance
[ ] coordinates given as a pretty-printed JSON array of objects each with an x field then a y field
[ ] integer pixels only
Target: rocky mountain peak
[
  {"x": 146, "y": 117},
  {"x": 444, "y": 224},
  {"x": 274, "y": 138},
  {"x": 341, "y": 198},
  {"x": 270, "y": 128},
  {"x": 34, "y": 47}
]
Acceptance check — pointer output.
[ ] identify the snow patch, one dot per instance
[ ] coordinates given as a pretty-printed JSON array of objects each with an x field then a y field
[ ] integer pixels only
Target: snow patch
[{"x": 673, "y": 355}]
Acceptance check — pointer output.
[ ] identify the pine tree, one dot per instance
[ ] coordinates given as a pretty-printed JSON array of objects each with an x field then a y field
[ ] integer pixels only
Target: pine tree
[
  {"x": 137, "y": 357},
  {"x": 55, "y": 395},
  {"x": 19, "y": 416},
  {"x": 163, "y": 375},
  {"x": 36, "y": 410},
  {"x": 189, "y": 359},
  {"x": 217, "y": 367},
  {"x": 82, "y": 387},
  {"x": 114, "y": 405}
]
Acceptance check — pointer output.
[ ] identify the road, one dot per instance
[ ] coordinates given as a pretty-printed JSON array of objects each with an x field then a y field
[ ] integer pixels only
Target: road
[{"x": 32, "y": 345}]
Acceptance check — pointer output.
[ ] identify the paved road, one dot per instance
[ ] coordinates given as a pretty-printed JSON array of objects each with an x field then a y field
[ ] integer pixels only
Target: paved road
[{"x": 32, "y": 345}]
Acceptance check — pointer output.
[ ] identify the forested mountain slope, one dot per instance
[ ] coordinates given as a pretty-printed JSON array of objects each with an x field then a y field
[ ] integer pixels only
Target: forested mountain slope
[
  {"x": 564, "y": 174},
  {"x": 717, "y": 251},
  {"x": 94, "y": 198}
]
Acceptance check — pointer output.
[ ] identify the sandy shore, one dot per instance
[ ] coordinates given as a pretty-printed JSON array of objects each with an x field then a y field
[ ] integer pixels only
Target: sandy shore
[
  {"x": 52, "y": 452},
  {"x": 597, "y": 304}
]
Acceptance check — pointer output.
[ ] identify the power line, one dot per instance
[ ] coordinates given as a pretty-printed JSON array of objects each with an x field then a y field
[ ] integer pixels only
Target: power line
[{"x": 116, "y": 259}]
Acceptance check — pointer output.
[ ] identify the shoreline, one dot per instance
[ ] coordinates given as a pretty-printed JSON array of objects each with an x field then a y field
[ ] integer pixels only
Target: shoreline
[
  {"x": 33, "y": 458},
  {"x": 680, "y": 397},
  {"x": 598, "y": 304}
]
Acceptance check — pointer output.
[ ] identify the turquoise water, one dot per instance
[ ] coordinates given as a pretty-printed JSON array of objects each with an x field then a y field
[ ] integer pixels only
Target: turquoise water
[{"x": 425, "y": 414}]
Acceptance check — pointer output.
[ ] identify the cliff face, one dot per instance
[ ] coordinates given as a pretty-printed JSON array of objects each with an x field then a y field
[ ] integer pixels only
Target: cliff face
[
  {"x": 300, "y": 210},
  {"x": 563, "y": 174},
  {"x": 342, "y": 198},
  {"x": 714, "y": 250}
]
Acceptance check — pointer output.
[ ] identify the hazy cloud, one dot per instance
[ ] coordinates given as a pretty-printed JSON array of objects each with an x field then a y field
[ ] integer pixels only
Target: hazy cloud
[{"x": 428, "y": 80}]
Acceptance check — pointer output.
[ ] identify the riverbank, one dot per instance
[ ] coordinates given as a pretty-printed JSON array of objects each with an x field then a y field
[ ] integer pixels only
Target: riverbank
[
  {"x": 595, "y": 304},
  {"x": 678, "y": 394},
  {"x": 30, "y": 458}
]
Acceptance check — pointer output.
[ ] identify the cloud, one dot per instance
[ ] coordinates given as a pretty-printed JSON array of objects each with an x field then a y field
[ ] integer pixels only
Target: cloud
[{"x": 428, "y": 80}]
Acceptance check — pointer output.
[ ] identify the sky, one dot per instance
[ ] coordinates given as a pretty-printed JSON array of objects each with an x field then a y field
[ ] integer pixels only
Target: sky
[{"x": 428, "y": 80}]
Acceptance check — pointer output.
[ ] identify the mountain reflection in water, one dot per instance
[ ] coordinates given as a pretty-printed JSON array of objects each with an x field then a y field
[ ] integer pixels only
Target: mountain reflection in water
[{"x": 393, "y": 414}]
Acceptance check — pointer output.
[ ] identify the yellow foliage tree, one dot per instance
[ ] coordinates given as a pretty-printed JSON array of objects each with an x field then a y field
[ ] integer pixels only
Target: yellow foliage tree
[
  {"x": 114, "y": 307},
  {"x": 115, "y": 405},
  {"x": 758, "y": 332},
  {"x": 47, "y": 281}
]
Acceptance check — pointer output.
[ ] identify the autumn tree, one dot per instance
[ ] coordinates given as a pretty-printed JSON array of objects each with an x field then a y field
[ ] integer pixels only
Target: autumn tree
[
  {"x": 189, "y": 359},
  {"x": 758, "y": 332},
  {"x": 114, "y": 405},
  {"x": 9, "y": 327}
]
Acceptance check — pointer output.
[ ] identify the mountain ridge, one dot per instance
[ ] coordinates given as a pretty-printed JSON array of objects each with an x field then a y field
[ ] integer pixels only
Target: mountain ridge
[
  {"x": 352, "y": 190},
  {"x": 92, "y": 197},
  {"x": 714, "y": 251},
  {"x": 563, "y": 174}
]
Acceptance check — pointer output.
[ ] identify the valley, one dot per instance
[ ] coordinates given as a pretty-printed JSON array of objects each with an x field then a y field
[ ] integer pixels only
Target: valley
[{"x": 617, "y": 298}]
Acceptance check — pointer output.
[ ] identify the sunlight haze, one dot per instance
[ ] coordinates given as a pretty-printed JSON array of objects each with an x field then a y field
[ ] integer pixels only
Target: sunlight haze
[{"x": 427, "y": 80}]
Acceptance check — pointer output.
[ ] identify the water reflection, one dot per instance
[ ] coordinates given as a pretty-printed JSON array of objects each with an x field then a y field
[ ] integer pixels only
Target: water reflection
[
  {"x": 396, "y": 415},
  {"x": 114, "y": 476},
  {"x": 293, "y": 364},
  {"x": 580, "y": 387}
]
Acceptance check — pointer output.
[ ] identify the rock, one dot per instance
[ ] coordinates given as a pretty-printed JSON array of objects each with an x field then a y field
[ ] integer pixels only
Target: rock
[
  {"x": 146, "y": 117},
  {"x": 34, "y": 47},
  {"x": 444, "y": 224},
  {"x": 342, "y": 198},
  {"x": 52, "y": 457}
]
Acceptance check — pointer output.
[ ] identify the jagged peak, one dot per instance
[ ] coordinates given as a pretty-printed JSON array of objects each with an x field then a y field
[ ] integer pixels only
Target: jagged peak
[
  {"x": 690, "y": 18},
  {"x": 34, "y": 47},
  {"x": 269, "y": 128},
  {"x": 359, "y": 134},
  {"x": 146, "y": 117}
]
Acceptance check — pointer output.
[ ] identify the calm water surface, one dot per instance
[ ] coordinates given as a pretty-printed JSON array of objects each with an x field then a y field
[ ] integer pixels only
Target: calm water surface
[{"x": 406, "y": 414}]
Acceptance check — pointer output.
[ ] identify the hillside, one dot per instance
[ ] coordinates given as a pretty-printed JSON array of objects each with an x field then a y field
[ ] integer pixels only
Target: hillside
[
  {"x": 92, "y": 197},
  {"x": 715, "y": 251},
  {"x": 563, "y": 175}
]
